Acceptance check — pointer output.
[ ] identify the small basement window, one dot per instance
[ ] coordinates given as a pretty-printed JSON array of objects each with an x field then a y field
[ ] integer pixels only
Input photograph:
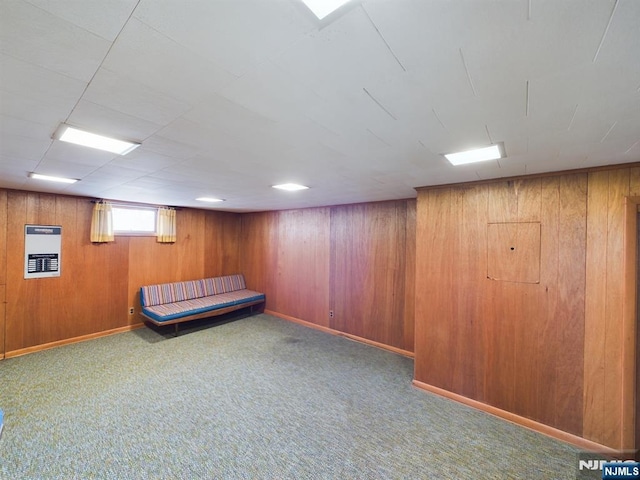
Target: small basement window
[{"x": 133, "y": 220}]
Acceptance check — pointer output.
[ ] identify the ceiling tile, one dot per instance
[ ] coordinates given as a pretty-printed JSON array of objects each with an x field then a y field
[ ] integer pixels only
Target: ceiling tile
[
  {"x": 38, "y": 37},
  {"x": 150, "y": 58},
  {"x": 91, "y": 16},
  {"x": 104, "y": 120},
  {"x": 234, "y": 35},
  {"x": 230, "y": 97},
  {"x": 64, "y": 151},
  {"x": 129, "y": 97}
]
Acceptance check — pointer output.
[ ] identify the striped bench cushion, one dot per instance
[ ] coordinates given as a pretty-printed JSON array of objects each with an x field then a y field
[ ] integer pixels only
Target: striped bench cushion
[
  {"x": 171, "y": 311},
  {"x": 163, "y": 293}
]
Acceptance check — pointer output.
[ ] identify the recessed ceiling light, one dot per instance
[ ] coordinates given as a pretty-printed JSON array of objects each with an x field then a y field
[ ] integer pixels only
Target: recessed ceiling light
[
  {"x": 70, "y": 134},
  {"x": 209, "y": 199},
  {"x": 322, "y": 8},
  {"x": 493, "y": 152},
  {"x": 291, "y": 187},
  {"x": 49, "y": 178}
]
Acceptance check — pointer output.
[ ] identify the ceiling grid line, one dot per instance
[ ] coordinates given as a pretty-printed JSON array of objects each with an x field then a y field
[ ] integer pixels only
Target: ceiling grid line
[
  {"x": 379, "y": 104},
  {"x": 384, "y": 40},
  {"x": 631, "y": 147},
  {"x": 608, "y": 132},
  {"x": 573, "y": 117},
  {"x": 379, "y": 138},
  {"x": 606, "y": 30},
  {"x": 466, "y": 69},
  {"x": 435, "y": 114},
  {"x": 488, "y": 134}
]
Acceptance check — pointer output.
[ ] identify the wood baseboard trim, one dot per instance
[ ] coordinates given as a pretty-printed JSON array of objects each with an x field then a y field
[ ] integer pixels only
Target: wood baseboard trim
[
  {"x": 338, "y": 333},
  {"x": 68, "y": 341},
  {"x": 552, "y": 432}
]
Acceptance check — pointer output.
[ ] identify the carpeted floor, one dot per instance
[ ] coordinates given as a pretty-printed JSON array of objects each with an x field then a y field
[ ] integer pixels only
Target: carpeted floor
[{"x": 255, "y": 398}]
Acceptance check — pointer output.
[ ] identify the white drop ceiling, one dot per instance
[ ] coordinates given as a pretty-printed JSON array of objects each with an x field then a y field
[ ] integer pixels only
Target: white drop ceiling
[{"x": 229, "y": 97}]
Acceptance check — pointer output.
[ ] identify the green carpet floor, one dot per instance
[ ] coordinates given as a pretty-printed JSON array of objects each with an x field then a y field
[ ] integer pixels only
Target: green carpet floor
[{"x": 255, "y": 398}]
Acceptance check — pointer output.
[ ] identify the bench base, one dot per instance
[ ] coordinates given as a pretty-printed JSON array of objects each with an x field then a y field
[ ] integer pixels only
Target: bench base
[{"x": 212, "y": 313}]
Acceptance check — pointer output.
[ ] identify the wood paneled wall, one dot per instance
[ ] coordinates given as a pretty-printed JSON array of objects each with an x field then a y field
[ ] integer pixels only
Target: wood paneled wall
[
  {"x": 369, "y": 272},
  {"x": 3, "y": 268},
  {"x": 89, "y": 296},
  {"x": 547, "y": 351},
  {"x": 556, "y": 348},
  {"x": 606, "y": 407},
  {"x": 354, "y": 260},
  {"x": 221, "y": 251},
  {"x": 98, "y": 283},
  {"x": 258, "y": 243},
  {"x": 302, "y": 265}
]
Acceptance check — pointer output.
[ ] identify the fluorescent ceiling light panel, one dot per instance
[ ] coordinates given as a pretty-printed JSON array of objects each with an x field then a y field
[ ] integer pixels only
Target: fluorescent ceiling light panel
[
  {"x": 80, "y": 137},
  {"x": 493, "y": 152},
  {"x": 291, "y": 187},
  {"x": 322, "y": 8},
  {"x": 49, "y": 178},
  {"x": 209, "y": 199}
]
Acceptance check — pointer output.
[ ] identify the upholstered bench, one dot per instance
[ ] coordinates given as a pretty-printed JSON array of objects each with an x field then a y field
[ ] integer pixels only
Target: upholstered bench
[{"x": 174, "y": 303}]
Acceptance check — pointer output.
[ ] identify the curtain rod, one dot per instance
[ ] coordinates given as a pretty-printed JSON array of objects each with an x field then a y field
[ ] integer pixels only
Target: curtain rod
[{"x": 134, "y": 204}]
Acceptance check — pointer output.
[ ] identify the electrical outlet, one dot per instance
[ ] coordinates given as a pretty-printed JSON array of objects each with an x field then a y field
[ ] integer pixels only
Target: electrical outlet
[
  {"x": 131, "y": 311},
  {"x": 330, "y": 313}
]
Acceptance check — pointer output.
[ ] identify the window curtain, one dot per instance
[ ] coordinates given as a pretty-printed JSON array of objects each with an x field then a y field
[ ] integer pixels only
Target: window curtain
[
  {"x": 166, "y": 225},
  {"x": 102, "y": 223}
]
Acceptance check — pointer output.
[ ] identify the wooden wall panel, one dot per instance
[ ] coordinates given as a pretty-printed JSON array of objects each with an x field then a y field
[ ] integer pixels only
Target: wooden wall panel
[
  {"x": 464, "y": 236},
  {"x": 16, "y": 287},
  {"x": 618, "y": 189},
  {"x": 634, "y": 182},
  {"x": 87, "y": 297},
  {"x": 424, "y": 277},
  {"x": 190, "y": 226},
  {"x": 629, "y": 327},
  {"x": 634, "y": 319},
  {"x": 98, "y": 283},
  {"x": 274, "y": 246},
  {"x": 545, "y": 337},
  {"x": 352, "y": 259},
  {"x": 432, "y": 270},
  {"x": 101, "y": 271},
  {"x": 152, "y": 262},
  {"x": 410, "y": 278},
  {"x": 3, "y": 308},
  {"x": 368, "y": 243},
  {"x": 3, "y": 237},
  {"x": 302, "y": 271},
  {"x": 258, "y": 237},
  {"x": 500, "y": 339},
  {"x": 454, "y": 336},
  {"x": 508, "y": 367},
  {"x": 504, "y": 343},
  {"x": 3, "y": 266},
  {"x": 595, "y": 306},
  {"x": 515, "y": 201},
  {"x": 605, "y": 287},
  {"x": 562, "y": 334},
  {"x": 532, "y": 301},
  {"x": 471, "y": 343},
  {"x": 221, "y": 254}
]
